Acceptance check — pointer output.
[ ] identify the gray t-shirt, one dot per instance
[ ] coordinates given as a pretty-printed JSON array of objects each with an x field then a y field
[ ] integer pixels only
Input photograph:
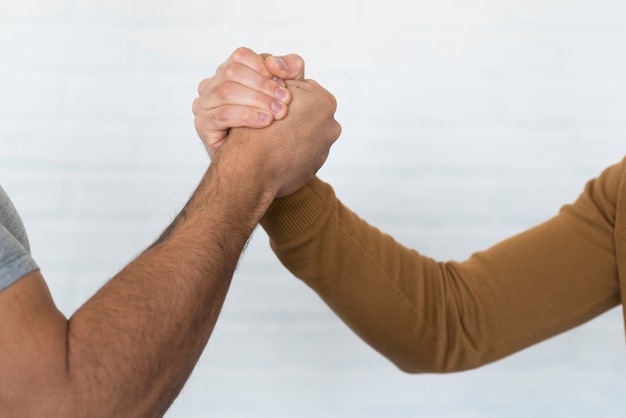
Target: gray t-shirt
[{"x": 15, "y": 258}]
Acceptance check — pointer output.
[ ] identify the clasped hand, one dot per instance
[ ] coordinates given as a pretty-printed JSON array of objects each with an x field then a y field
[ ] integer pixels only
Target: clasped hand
[{"x": 265, "y": 109}]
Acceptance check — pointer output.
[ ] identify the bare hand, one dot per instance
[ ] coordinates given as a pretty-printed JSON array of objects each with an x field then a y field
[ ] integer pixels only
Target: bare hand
[
  {"x": 288, "y": 153},
  {"x": 247, "y": 90}
]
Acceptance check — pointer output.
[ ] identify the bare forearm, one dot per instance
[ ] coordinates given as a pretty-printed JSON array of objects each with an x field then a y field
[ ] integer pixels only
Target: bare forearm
[
  {"x": 129, "y": 349},
  {"x": 147, "y": 327}
]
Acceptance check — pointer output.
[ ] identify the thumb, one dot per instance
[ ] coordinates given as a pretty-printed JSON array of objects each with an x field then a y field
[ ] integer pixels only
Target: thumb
[{"x": 287, "y": 67}]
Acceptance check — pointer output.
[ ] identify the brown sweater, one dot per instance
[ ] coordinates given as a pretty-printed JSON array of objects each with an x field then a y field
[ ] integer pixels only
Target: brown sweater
[{"x": 430, "y": 316}]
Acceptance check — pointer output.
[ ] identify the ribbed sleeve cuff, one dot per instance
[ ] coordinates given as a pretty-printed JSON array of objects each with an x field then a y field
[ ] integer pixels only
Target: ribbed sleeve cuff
[{"x": 289, "y": 216}]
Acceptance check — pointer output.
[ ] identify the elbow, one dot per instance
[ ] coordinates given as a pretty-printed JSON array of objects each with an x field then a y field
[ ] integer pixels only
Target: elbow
[
  {"x": 438, "y": 358},
  {"x": 421, "y": 366}
]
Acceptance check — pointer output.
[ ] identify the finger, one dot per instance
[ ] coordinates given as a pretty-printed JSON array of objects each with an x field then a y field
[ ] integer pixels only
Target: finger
[
  {"x": 251, "y": 59},
  {"x": 245, "y": 76},
  {"x": 232, "y": 93},
  {"x": 287, "y": 67},
  {"x": 256, "y": 63},
  {"x": 213, "y": 126},
  {"x": 312, "y": 85},
  {"x": 213, "y": 145},
  {"x": 217, "y": 121}
]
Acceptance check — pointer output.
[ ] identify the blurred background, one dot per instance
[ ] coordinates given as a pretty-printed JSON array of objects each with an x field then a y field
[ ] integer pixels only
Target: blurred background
[{"x": 464, "y": 122}]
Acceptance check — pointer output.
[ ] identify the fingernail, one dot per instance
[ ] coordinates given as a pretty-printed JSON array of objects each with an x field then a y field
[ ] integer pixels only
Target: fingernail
[
  {"x": 281, "y": 94},
  {"x": 277, "y": 107},
  {"x": 280, "y": 63},
  {"x": 280, "y": 81},
  {"x": 264, "y": 117}
]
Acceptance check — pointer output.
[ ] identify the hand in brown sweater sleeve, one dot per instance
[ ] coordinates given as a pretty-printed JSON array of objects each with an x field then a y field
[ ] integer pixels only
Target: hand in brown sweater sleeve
[{"x": 430, "y": 316}]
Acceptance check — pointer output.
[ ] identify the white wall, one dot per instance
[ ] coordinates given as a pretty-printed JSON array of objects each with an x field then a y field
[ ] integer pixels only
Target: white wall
[{"x": 464, "y": 121}]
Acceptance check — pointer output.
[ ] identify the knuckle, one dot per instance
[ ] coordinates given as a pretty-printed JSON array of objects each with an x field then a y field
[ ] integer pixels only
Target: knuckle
[
  {"x": 217, "y": 116},
  {"x": 240, "y": 53},
  {"x": 333, "y": 133},
  {"x": 195, "y": 106},
  {"x": 231, "y": 116},
  {"x": 245, "y": 118},
  {"x": 223, "y": 91},
  {"x": 338, "y": 129},
  {"x": 262, "y": 101},
  {"x": 203, "y": 86},
  {"x": 332, "y": 102},
  {"x": 230, "y": 70},
  {"x": 209, "y": 121},
  {"x": 267, "y": 85}
]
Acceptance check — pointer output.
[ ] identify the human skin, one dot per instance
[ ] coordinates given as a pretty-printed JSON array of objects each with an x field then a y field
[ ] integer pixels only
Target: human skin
[
  {"x": 129, "y": 349},
  {"x": 247, "y": 90},
  {"x": 437, "y": 317}
]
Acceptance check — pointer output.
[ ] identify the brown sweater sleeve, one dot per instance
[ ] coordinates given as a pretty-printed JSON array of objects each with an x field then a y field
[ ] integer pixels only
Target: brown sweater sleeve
[{"x": 430, "y": 316}]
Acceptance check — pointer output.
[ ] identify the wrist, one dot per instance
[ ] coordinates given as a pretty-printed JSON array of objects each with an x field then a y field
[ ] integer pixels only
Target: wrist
[
  {"x": 246, "y": 167},
  {"x": 288, "y": 217},
  {"x": 247, "y": 156}
]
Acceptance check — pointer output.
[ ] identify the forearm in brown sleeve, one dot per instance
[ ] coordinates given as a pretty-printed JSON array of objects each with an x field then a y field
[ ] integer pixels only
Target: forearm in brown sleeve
[{"x": 429, "y": 316}]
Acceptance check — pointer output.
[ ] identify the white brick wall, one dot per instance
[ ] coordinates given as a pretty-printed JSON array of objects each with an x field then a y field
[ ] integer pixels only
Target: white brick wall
[{"x": 464, "y": 122}]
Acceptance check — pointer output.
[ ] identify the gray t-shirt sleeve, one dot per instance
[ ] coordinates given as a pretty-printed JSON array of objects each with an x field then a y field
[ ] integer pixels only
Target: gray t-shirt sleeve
[{"x": 15, "y": 258}]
